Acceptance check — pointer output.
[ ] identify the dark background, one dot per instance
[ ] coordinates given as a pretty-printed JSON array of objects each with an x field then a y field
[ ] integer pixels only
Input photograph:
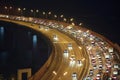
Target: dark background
[{"x": 101, "y": 16}]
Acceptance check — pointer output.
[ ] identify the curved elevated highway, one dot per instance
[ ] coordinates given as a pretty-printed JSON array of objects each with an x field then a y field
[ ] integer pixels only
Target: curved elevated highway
[{"x": 77, "y": 54}]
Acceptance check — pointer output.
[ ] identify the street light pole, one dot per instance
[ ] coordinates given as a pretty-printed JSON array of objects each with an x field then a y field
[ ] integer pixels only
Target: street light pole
[
  {"x": 33, "y": 13},
  {"x": 71, "y": 21},
  {"x": 19, "y": 11},
  {"x": 10, "y": 11},
  {"x": 55, "y": 16},
  {"x": 80, "y": 24},
  {"x": 64, "y": 19},
  {"x": 37, "y": 11},
  {"x": 6, "y": 9},
  {"x": 61, "y": 16},
  {"x": 24, "y": 9},
  {"x": 49, "y": 13},
  {"x": 44, "y": 14}
]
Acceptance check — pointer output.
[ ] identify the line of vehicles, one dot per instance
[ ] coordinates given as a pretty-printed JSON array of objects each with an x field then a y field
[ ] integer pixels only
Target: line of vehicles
[{"x": 103, "y": 65}]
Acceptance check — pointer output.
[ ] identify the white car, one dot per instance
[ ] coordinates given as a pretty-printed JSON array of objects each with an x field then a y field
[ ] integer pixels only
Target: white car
[
  {"x": 79, "y": 62},
  {"x": 91, "y": 72},
  {"x": 74, "y": 76},
  {"x": 115, "y": 66},
  {"x": 55, "y": 37},
  {"x": 66, "y": 53},
  {"x": 69, "y": 46}
]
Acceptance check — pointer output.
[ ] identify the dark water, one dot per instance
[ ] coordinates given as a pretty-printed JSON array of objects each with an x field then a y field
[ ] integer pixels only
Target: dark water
[{"x": 21, "y": 47}]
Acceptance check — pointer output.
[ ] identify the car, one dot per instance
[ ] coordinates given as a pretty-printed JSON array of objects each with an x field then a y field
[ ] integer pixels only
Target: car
[
  {"x": 79, "y": 62},
  {"x": 100, "y": 61},
  {"x": 100, "y": 66},
  {"x": 66, "y": 51},
  {"x": 115, "y": 72},
  {"x": 107, "y": 71},
  {"x": 93, "y": 57},
  {"x": 108, "y": 66},
  {"x": 98, "y": 75},
  {"x": 115, "y": 66},
  {"x": 93, "y": 61},
  {"x": 107, "y": 56},
  {"x": 91, "y": 72},
  {"x": 88, "y": 78},
  {"x": 100, "y": 71},
  {"x": 110, "y": 50},
  {"x": 97, "y": 78},
  {"x": 72, "y": 57},
  {"x": 108, "y": 61},
  {"x": 70, "y": 46},
  {"x": 99, "y": 57},
  {"x": 114, "y": 77},
  {"x": 55, "y": 37},
  {"x": 74, "y": 76},
  {"x": 94, "y": 67},
  {"x": 72, "y": 60}
]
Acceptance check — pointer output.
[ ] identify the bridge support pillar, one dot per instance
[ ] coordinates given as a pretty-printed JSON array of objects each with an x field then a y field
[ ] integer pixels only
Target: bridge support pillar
[{"x": 21, "y": 71}]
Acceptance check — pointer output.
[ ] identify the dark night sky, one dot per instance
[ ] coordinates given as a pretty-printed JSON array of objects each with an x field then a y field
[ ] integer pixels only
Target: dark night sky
[
  {"x": 72, "y": 6},
  {"x": 100, "y": 15}
]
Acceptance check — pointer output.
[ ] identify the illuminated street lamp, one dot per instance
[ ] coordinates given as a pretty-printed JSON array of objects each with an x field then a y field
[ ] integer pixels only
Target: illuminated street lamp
[
  {"x": 71, "y": 19},
  {"x": 61, "y": 16},
  {"x": 55, "y": 16},
  {"x": 43, "y": 13},
  {"x": 19, "y": 9},
  {"x": 24, "y": 9},
  {"x": 10, "y": 7},
  {"x": 64, "y": 19},
  {"x": 80, "y": 24},
  {"x": 73, "y": 23},
  {"x": 49, "y": 13},
  {"x": 37, "y": 11},
  {"x": 31, "y": 10},
  {"x": 5, "y": 7}
]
